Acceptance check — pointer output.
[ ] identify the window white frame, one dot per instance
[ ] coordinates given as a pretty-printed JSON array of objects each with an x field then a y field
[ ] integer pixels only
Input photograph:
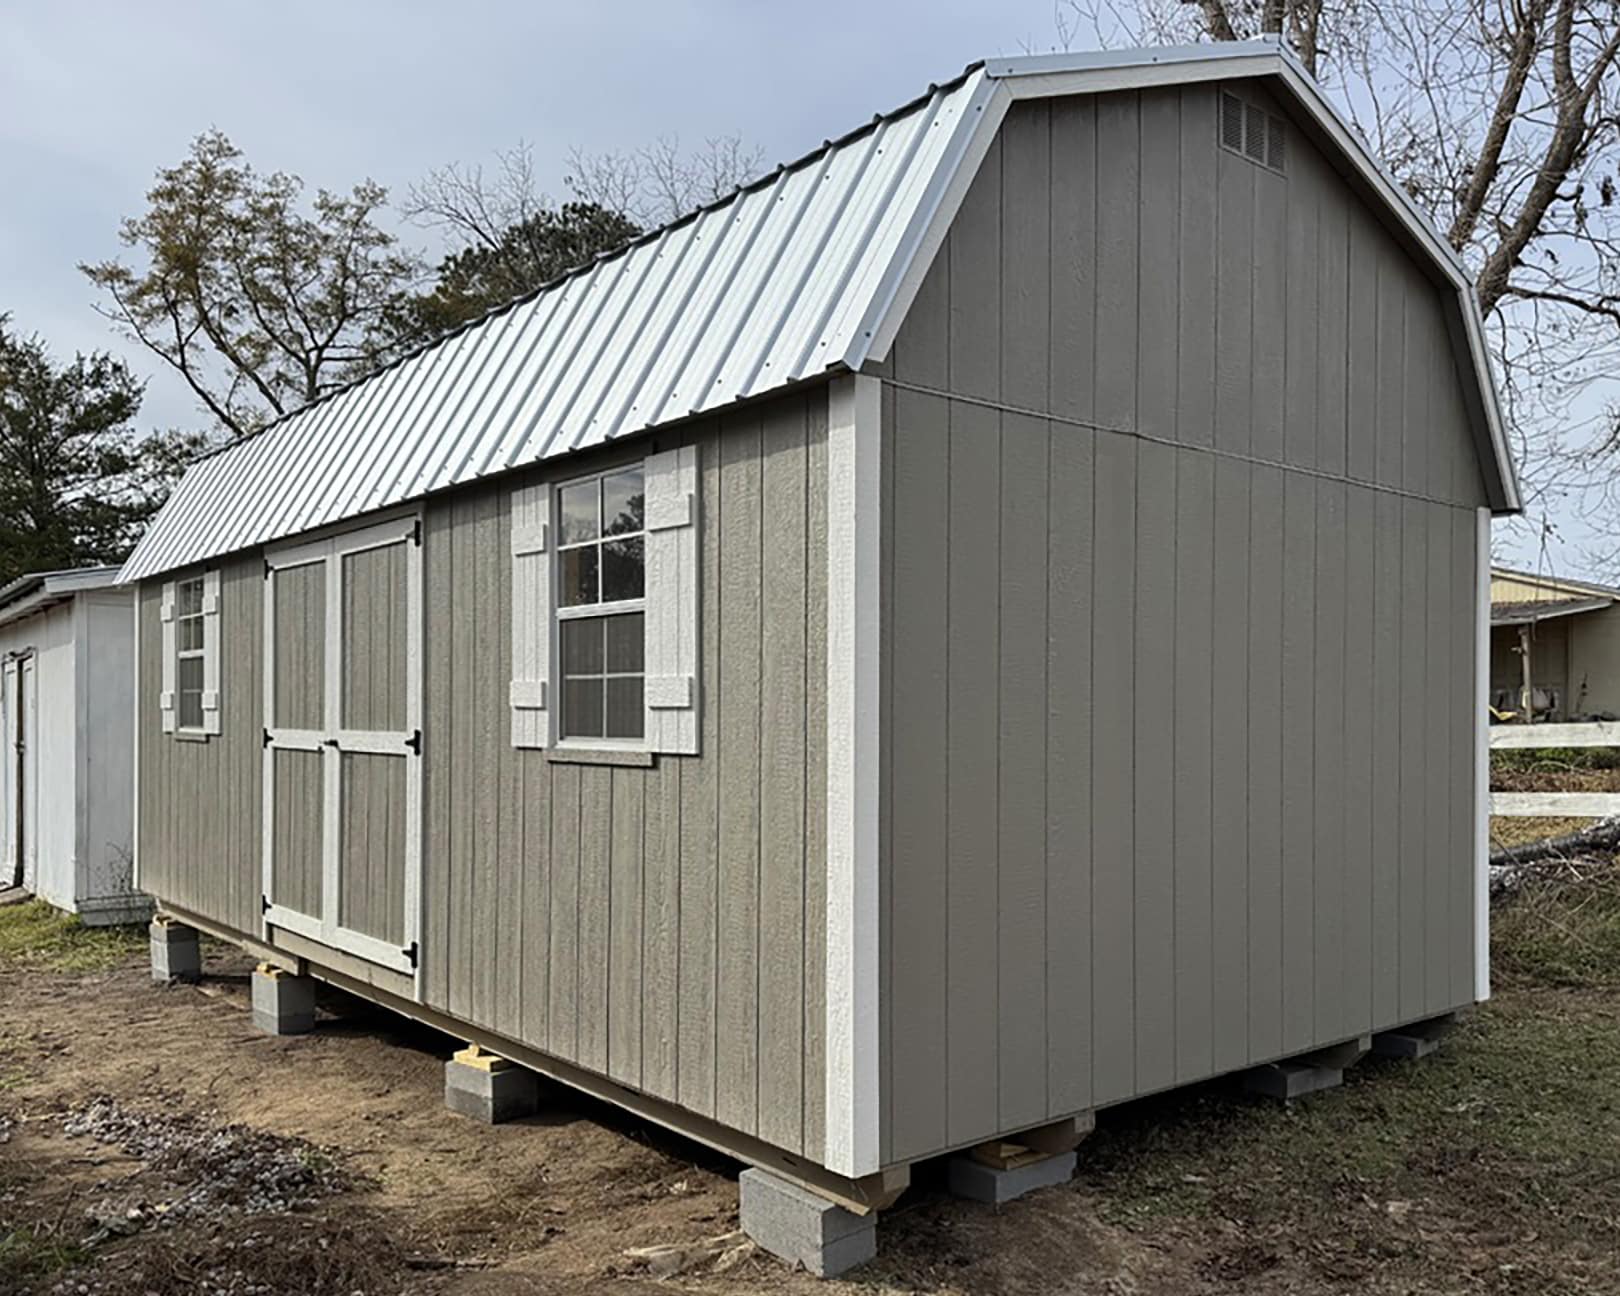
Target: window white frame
[
  {"x": 562, "y": 612},
  {"x": 209, "y": 615},
  {"x": 671, "y": 686}
]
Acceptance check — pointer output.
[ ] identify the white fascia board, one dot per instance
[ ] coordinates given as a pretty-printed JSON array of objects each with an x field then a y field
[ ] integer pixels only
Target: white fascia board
[
  {"x": 854, "y": 504},
  {"x": 1482, "y": 756},
  {"x": 1147, "y": 57},
  {"x": 1474, "y": 327}
]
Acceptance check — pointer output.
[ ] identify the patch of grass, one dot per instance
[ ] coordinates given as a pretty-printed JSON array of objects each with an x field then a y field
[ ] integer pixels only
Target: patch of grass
[
  {"x": 39, "y": 936},
  {"x": 1561, "y": 931},
  {"x": 29, "y": 1253},
  {"x": 1552, "y": 760},
  {"x": 1489, "y": 1165}
]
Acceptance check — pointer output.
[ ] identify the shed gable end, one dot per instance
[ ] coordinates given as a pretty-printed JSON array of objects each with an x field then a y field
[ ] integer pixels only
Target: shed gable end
[{"x": 1116, "y": 264}]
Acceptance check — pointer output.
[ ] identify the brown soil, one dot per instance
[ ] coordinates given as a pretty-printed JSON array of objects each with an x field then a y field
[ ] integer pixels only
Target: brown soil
[{"x": 1191, "y": 1193}]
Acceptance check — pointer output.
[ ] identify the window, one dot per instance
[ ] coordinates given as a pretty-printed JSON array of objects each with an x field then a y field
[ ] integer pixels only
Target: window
[
  {"x": 601, "y": 609},
  {"x": 189, "y": 637},
  {"x": 605, "y": 614},
  {"x": 189, "y": 610}
]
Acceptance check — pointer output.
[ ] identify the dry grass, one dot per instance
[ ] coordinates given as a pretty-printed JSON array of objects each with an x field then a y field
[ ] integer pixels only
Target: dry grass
[
  {"x": 1513, "y": 830},
  {"x": 40, "y": 937}
]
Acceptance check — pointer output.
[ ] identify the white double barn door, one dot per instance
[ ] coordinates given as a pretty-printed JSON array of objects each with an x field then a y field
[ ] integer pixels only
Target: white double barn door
[{"x": 342, "y": 741}]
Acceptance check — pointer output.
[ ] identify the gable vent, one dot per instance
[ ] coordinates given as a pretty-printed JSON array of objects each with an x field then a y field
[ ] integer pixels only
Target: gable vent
[{"x": 1250, "y": 130}]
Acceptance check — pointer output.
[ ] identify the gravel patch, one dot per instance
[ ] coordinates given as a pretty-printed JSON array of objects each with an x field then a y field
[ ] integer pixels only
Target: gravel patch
[{"x": 206, "y": 1170}]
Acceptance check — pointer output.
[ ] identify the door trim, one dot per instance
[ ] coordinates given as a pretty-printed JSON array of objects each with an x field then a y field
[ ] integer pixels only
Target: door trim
[{"x": 332, "y": 741}]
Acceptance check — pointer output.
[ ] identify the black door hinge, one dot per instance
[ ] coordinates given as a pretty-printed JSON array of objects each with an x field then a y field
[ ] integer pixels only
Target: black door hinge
[
  {"x": 266, "y": 737},
  {"x": 410, "y": 953},
  {"x": 268, "y": 569},
  {"x": 414, "y": 742},
  {"x": 264, "y": 904},
  {"x": 416, "y": 533}
]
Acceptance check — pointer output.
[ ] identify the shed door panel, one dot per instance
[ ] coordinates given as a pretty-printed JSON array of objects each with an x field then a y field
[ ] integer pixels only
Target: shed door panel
[
  {"x": 299, "y": 676},
  {"x": 374, "y": 606},
  {"x": 28, "y": 763},
  {"x": 343, "y": 742},
  {"x": 371, "y": 851},
  {"x": 297, "y": 829}
]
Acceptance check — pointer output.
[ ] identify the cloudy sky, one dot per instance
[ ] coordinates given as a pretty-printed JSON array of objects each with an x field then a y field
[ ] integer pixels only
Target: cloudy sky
[{"x": 95, "y": 96}]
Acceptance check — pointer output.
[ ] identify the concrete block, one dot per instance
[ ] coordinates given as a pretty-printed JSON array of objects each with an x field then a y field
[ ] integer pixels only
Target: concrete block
[
  {"x": 1414, "y": 1041},
  {"x": 283, "y": 1004},
  {"x": 489, "y": 1088},
  {"x": 176, "y": 951},
  {"x": 1289, "y": 1080},
  {"x": 795, "y": 1225},
  {"x": 971, "y": 1178}
]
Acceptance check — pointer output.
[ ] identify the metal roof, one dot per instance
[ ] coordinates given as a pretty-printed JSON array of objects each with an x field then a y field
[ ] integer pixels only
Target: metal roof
[
  {"x": 806, "y": 271},
  {"x": 1528, "y": 613},
  {"x": 36, "y": 591}
]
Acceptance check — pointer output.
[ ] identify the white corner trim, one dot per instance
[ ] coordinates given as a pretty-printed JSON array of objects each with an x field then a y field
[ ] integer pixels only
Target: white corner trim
[
  {"x": 135, "y": 741},
  {"x": 1482, "y": 756},
  {"x": 854, "y": 504}
]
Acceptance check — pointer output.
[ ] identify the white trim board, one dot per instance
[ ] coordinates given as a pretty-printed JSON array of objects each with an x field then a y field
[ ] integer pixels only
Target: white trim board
[
  {"x": 854, "y": 566},
  {"x": 1586, "y": 733}
]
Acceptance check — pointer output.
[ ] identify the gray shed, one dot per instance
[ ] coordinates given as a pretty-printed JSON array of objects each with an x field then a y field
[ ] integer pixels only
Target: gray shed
[{"x": 980, "y": 625}]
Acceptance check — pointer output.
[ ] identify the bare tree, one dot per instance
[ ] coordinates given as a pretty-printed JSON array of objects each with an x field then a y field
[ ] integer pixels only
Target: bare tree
[
  {"x": 662, "y": 182},
  {"x": 260, "y": 303},
  {"x": 1498, "y": 118},
  {"x": 505, "y": 239}
]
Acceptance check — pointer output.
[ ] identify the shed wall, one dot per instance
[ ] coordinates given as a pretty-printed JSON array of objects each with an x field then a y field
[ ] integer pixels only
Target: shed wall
[
  {"x": 53, "y": 871},
  {"x": 1179, "y": 539},
  {"x": 664, "y": 925},
  {"x": 1594, "y": 662},
  {"x": 106, "y": 773},
  {"x": 201, "y": 799}
]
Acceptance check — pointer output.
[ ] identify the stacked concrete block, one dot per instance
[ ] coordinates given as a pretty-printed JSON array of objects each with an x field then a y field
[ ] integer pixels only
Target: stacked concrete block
[{"x": 802, "y": 1228}]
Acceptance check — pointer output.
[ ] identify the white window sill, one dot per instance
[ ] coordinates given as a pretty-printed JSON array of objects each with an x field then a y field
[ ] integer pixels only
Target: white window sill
[
  {"x": 191, "y": 735},
  {"x": 634, "y": 756}
]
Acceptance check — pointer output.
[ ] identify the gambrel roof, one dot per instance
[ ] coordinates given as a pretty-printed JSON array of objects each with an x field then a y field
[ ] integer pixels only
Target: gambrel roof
[{"x": 807, "y": 271}]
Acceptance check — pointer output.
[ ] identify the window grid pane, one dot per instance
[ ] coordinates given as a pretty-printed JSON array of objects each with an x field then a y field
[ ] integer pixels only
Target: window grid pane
[
  {"x": 601, "y": 559},
  {"x": 602, "y": 664}
]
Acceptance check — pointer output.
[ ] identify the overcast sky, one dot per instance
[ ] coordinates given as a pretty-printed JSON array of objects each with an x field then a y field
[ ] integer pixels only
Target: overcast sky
[{"x": 94, "y": 97}]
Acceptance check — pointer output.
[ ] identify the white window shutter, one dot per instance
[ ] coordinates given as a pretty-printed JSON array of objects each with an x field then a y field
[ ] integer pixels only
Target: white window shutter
[
  {"x": 166, "y": 696},
  {"x": 211, "y": 624},
  {"x": 672, "y": 601},
  {"x": 531, "y": 617}
]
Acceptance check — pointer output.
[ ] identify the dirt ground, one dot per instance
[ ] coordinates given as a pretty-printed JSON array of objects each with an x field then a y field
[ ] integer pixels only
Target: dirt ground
[{"x": 1491, "y": 1167}]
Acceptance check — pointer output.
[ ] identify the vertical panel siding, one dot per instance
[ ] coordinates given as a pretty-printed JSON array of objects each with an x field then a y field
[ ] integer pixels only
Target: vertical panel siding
[
  {"x": 659, "y": 925},
  {"x": 1174, "y": 729},
  {"x": 588, "y": 911},
  {"x": 200, "y": 843}
]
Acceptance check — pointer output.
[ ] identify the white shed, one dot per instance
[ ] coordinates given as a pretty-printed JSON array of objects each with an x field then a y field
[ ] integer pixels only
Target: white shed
[{"x": 66, "y": 742}]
